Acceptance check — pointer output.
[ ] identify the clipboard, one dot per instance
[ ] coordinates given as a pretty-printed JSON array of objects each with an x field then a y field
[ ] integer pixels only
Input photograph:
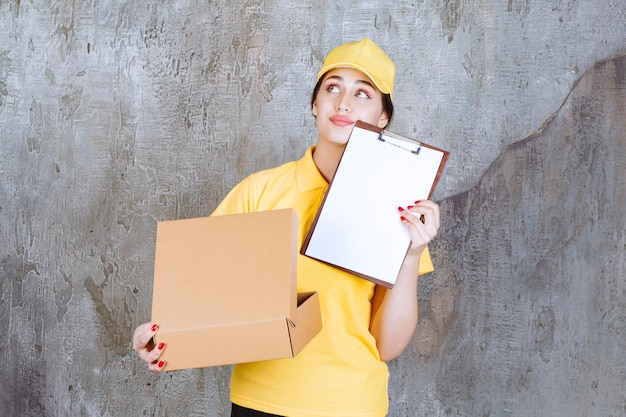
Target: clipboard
[{"x": 357, "y": 227}]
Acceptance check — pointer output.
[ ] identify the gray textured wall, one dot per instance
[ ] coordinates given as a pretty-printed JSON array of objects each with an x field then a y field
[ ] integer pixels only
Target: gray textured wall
[{"x": 114, "y": 115}]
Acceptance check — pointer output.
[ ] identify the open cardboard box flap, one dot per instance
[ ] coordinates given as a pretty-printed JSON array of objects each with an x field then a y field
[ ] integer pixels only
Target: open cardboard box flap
[{"x": 225, "y": 290}]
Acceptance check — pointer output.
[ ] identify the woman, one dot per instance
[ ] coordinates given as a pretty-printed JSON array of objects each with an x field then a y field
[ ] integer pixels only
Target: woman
[{"x": 342, "y": 371}]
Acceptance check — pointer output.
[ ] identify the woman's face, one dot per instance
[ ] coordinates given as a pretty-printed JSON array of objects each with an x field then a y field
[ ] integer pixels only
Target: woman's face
[{"x": 345, "y": 96}]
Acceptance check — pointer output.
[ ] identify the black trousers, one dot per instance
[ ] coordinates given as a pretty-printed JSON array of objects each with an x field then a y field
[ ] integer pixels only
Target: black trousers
[{"x": 239, "y": 411}]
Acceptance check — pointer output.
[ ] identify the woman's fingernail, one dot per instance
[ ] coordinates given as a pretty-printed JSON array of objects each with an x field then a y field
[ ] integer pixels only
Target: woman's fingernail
[
  {"x": 410, "y": 207},
  {"x": 161, "y": 346},
  {"x": 154, "y": 327},
  {"x": 418, "y": 201},
  {"x": 402, "y": 218},
  {"x": 161, "y": 364},
  {"x": 400, "y": 209}
]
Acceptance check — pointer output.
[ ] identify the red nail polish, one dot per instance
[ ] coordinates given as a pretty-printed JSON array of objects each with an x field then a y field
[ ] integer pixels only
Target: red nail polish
[
  {"x": 161, "y": 364},
  {"x": 161, "y": 346},
  {"x": 400, "y": 209},
  {"x": 154, "y": 327},
  {"x": 418, "y": 201},
  {"x": 410, "y": 207},
  {"x": 402, "y": 218}
]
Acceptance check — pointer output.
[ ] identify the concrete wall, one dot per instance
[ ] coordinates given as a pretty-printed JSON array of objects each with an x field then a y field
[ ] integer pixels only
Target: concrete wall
[{"x": 115, "y": 115}]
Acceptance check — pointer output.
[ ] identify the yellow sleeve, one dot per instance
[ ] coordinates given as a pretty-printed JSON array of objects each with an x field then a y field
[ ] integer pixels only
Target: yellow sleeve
[{"x": 426, "y": 264}]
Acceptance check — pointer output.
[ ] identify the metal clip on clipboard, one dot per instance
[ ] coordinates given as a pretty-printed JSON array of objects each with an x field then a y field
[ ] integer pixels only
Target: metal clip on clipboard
[{"x": 400, "y": 141}]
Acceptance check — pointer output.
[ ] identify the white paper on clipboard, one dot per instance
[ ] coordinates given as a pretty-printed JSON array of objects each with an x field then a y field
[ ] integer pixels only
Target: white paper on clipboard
[{"x": 357, "y": 227}]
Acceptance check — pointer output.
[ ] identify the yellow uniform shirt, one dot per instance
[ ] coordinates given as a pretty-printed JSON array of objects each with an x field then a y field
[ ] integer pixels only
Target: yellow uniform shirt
[{"x": 339, "y": 373}]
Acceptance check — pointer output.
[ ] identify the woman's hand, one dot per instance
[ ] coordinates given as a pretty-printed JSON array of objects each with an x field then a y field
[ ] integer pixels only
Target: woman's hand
[
  {"x": 422, "y": 222},
  {"x": 143, "y": 344}
]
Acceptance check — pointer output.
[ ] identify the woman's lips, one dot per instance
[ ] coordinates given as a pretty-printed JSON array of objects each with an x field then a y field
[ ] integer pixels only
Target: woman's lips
[{"x": 341, "y": 121}]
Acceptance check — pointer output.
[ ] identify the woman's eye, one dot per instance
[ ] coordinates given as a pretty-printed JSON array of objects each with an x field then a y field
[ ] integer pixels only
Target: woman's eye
[
  {"x": 362, "y": 94},
  {"x": 332, "y": 88}
]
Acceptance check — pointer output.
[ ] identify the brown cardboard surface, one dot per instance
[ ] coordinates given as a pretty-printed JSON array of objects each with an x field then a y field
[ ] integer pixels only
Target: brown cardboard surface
[{"x": 225, "y": 290}]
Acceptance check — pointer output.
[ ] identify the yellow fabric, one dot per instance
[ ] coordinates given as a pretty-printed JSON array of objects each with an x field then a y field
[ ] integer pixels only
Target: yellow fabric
[{"x": 339, "y": 373}]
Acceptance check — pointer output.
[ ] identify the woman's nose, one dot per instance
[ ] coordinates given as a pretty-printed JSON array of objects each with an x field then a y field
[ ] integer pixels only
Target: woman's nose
[{"x": 343, "y": 104}]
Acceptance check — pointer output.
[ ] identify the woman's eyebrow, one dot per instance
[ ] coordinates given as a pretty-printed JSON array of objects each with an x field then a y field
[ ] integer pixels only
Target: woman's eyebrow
[{"x": 363, "y": 81}]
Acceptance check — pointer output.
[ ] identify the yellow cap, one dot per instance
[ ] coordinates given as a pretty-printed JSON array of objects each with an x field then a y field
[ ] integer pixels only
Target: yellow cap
[{"x": 365, "y": 56}]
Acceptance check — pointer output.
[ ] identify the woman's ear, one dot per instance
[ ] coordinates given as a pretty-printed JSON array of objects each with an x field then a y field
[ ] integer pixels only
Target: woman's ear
[{"x": 383, "y": 121}]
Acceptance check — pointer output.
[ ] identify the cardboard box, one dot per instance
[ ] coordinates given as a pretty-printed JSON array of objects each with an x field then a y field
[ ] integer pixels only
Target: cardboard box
[{"x": 225, "y": 290}]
